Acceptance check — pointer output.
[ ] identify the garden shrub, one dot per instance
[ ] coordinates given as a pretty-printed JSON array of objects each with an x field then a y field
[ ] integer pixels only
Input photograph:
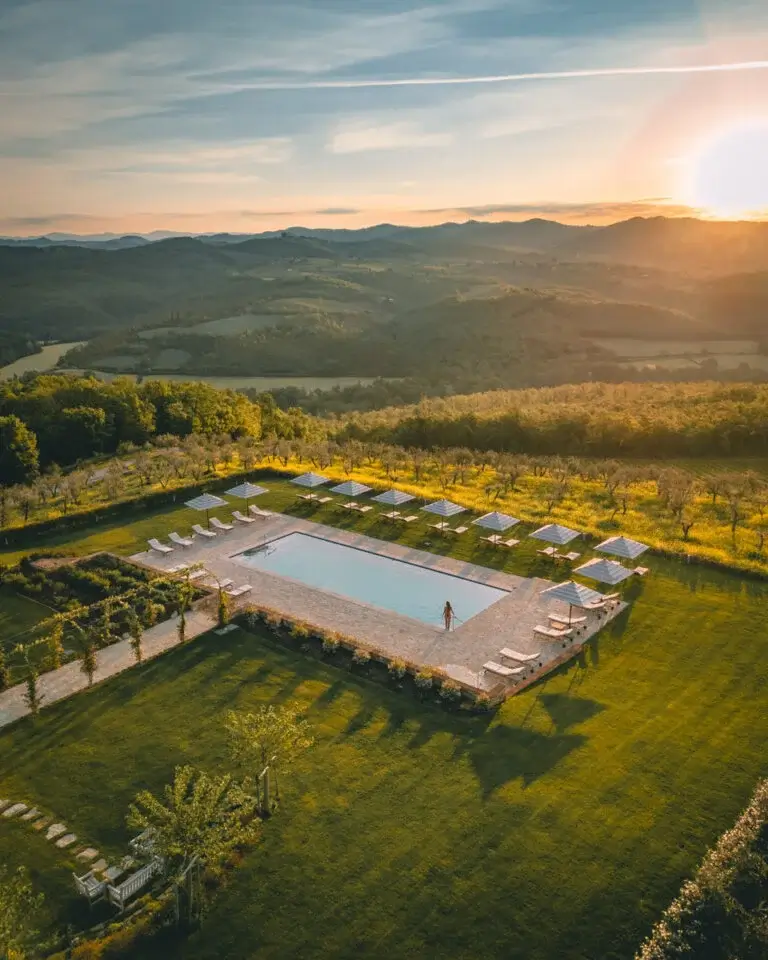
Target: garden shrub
[
  {"x": 360, "y": 656},
  {"x": 450, "y": 691},
  {"x": 397, "y": 668},
  {"x": 330, "y": 643},
  {"x": 483, "y": 703},
  {"x": 424, "y": 679},
  {"x": 299, "y": 631}
]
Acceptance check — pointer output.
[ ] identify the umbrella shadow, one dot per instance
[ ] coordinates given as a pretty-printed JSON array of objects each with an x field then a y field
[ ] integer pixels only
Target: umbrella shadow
[{"x": 566, "y": 710}]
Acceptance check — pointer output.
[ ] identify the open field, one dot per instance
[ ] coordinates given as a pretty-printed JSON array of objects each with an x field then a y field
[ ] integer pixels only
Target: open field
[
  {"x": 560, "y": 827},
  {"x": 639, "y": 349},
  {"x": 48, "y": 357}
]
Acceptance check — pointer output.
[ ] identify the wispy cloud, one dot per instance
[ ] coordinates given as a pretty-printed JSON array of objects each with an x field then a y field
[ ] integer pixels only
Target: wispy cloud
[
  {"x": 401, "y": 135},
  {"x": 597, "y": 210}
]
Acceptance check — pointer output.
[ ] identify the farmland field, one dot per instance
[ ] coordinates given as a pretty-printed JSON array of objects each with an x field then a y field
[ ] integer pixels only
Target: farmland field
[{"x": 640, "y": 349}]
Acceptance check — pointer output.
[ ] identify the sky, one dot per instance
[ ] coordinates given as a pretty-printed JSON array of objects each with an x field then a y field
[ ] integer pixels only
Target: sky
[{"x": 245, "y": 115}]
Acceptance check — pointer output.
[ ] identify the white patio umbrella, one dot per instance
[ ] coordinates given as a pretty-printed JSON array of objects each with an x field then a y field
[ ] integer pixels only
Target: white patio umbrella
[
  {"x": 574, "y": 594},
  {"x": 351, "y": 488},
  {"x": 556, "y": 534},
  {"x": 622, "y": 547},
  {"x": 205, "y": 503},
  {"x": 498, "y": 522},
  {"x": 444, "y": 508},
  {"x": 310, "y": 480},
  {"x": 604, "y": 571},
  {"x": 247, "y": 491},
  {"x": 393, "y": 498}
]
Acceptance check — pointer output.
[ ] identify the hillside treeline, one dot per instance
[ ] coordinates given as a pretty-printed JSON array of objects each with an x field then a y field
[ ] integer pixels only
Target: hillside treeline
[
  {"x": 64, "y": 419},
  {"x": 602, "y": 420}
]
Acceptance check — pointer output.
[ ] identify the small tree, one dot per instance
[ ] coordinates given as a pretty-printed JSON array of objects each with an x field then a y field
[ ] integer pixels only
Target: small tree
[
  {"x": 262, "y": 741},
  {"x": 195, "y": 825},
  {"x": 687, "y": 521},
  {"x": 19, "y": 907},
  {"x": 32, "y": 697},
  {"x": 5, "y": 673},
  {"x": 88, "y": 659},
  {"x": 136, "y": 636},
  {"x": 223, "y": 607},
  {"x": 184, "y": 593},
  {"x": 56, "y": 645}
]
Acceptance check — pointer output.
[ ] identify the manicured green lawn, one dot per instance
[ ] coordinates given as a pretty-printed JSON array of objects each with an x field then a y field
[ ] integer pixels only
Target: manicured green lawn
[
  {"x": 558, "y": 828},
  {"x": 18, "y": 614}
]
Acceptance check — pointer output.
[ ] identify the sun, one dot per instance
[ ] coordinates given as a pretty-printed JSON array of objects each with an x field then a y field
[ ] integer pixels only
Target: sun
[{"x": 728, "y": 175}]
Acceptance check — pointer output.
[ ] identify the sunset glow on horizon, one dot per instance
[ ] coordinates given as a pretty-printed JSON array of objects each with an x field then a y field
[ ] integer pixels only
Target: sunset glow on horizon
[{"x": 133, "y": 117}]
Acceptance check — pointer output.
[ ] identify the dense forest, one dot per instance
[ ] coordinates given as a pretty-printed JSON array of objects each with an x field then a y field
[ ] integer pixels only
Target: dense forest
[
  {"x": 63, "y": 419},
  {"x": 623, "y": 420}
]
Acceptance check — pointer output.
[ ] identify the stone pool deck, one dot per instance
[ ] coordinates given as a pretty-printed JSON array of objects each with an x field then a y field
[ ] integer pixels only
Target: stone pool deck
[{"x": 461, "y": 653}]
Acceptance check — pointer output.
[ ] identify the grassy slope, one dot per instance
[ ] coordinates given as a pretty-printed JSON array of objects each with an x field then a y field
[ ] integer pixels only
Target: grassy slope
[
  {"x": 409, "y": 831},
  {"x": 560, "y": 828}
]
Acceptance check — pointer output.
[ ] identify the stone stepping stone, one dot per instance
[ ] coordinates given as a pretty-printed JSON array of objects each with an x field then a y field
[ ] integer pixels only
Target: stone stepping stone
[
  {"x": 55, "y": 830},
  {"x": 100, "y": 866},
  {"x": 42, "y": 823},
  {"x": 15, "y": 809},
  {"x": 88, "y": 854},
  {"x": 66, "y": 841},
  {"x": 4, "y": 803},
  {"x": 31, "y": 814}
]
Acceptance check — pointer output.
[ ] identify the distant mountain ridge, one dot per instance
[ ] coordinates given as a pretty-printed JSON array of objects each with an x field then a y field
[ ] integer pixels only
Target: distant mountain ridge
[{"x": 682, "y": 244}]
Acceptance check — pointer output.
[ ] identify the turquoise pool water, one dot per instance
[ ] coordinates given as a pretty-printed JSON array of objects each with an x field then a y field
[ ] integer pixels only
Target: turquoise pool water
[{"x": 403, "y": 588}]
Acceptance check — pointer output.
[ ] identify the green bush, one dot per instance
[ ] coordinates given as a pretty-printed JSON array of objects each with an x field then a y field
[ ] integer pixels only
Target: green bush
[
  {"x": 450, "y": 691},
  {"x": 360, "y": 656},
  {"x": 330, "y": 643},
  {"x": 483, "y": 703},
  {"x": 424, "y": 679},
  {"x": 397, "y": 668},
  {"x": 299, "y": 631},
  {"x": 274, "y": 622}
]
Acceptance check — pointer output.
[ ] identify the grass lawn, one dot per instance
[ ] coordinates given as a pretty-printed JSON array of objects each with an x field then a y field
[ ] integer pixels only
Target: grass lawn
[
  {"x": 18, "y": 614},
  {"x": 558, "y": 828}
]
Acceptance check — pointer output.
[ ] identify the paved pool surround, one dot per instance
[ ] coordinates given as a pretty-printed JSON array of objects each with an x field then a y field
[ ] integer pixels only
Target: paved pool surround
[{"x": 461, "y": 653}]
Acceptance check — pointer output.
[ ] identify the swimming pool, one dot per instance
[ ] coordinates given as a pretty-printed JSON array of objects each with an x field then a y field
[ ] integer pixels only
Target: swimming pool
[{"x": 395, "y": 585}]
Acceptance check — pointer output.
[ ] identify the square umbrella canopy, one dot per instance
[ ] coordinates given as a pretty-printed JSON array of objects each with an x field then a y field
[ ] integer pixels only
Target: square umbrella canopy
[
  {"x": 393, "y": 498},
  {"x": 310, "y": 480},
  {"x": 496, "y": 521},
  {"x": 572, "y": 593},
  {"x": 246, "y": 491},
  {"x": 604, "y": 571},
  {"x": 205, "y": 503},
  {"x": 556, "y": 534},
  {"x": 351, "y": 488},
  {"x": 444, "y": 508},
  {"x": 622, "y": 547}
]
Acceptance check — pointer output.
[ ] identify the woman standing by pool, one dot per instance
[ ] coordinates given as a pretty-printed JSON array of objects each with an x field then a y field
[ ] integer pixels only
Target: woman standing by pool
[{"x": 448, "y": 615}]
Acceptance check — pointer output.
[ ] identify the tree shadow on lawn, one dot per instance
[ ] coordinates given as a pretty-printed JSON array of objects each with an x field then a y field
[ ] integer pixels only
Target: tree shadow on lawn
[
  {"x": 568, "y": 711},
  {"x": 510, "y": 753}
]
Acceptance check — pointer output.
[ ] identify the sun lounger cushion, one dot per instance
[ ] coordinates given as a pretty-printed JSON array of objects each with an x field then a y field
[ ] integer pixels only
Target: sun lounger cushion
[
  {"x": 242, "y": 517},
  {"x": 502, "y": 671},
  {"x": 550, "y": 633},
  {"x": 181, "y": 541},
  {"x": 202, "y": 532},
  {"x": 510, "y": 654},
  {"x": 160, "y": 547},
  {"x": 215, "y": 522}
]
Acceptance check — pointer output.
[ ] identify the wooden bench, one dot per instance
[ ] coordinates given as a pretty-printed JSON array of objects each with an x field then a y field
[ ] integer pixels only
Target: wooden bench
[{"x": 120, "y": 895}]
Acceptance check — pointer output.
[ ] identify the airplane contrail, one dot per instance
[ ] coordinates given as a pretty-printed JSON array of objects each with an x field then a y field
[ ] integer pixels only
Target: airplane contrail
[{"x": 507, "y": 77}]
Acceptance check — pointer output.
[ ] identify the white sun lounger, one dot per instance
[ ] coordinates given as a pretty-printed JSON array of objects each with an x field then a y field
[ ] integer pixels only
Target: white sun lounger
[
  {"x": 509, "y": 654},
  {"x": 456, "y": 530},
  {"x": 242, "y": 517},
  {"x": 551, "y": 634},
  {"x": 510, "y": 543},
  {"x": 565, "y": 621},
  {"x": 325, "y": 500},
  {"x": 180, "y": 541},
  {"x": 239, "y": 591},
  {"x": 573, "y": 555},
  {"x": 494, "y": 539},
  {"x": 202, "y": 532},
  {"x": 640, "y": 571},
  {"x": 364, "y": 508},
  {"x": 224, "y": 527},
  {"x": 497, "y": 668},
  {"x": 258, "y": 512},
  {"x": 548, "y": 551},
  {"x": 408, "y": 519},
  {"x": 155, "y": 544},
  {"x": 178, "y": 568}
]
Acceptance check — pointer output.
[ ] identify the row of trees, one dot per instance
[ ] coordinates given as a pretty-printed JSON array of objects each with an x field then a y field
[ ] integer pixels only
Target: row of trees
[{"x": 588, "y": 419}]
